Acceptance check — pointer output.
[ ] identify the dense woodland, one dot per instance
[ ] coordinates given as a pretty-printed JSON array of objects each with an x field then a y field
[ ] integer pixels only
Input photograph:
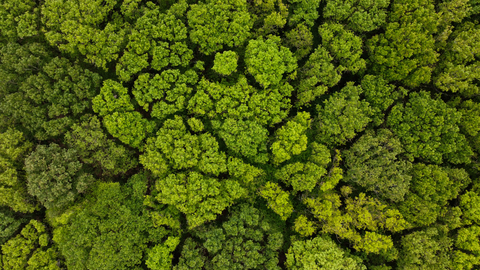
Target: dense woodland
[{"x": 239, "y": 134}]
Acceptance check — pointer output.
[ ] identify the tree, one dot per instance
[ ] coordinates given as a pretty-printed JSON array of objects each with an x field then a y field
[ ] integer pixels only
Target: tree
[
  {"x": 9, "y": 225},
  {"x": 191, "y": 257},
  {"x": 303, "y": 11},
  {"x": 113, "y": 97},
  {"x": 29, "y": 250},
  {"x": 291, "y": 139},
  {"x": 94, "y": 148},
  {"x": 94, "y": 29},
  {"x": 316, "y": 76},
  {"x": 160, "y": 256},
  {"x": 129, "y": 127},
  {"x": 469, "y": 203},
  {"x": 467, "y": 241},
  {"x": 215, "y": 24},
  {"x": 248, "y": 239},
  {"x": 428, "y": 129},
  {"x": 55, "y": 176},
  {"x": 277, "y": 199},
  {"x": 431, "y": 189},
  {"x": 247, "y": 138},
  {"x": 342, "y": 116},
  {"x": 166, "y": 93},
  {"x": 374, "y": 162},
  {"x": 321, "y": 253},
  {"x": 344, "y": 46},
  {"x": 359, "y": 16},
  {"x": 380, "y": 95},
  {"x": 267, "y": 61},
  {"x": 19, "y": 20},
  {"x": 109, "y": 231},
  {"x": 225, "y": 63},
  {"x": 200, "y": 198},
  {"x": 364, "y": 221},
  {"x": 13, "y": 188},
  {"x": 48, "y": 101},
  {"x": 300, "y": 40},
  {"x": 241, "y": 101},
  {"x": 158, "y": 40},
  {"x": 406, "y": 51},
  {"x": 426, "y": 249},
  {"x": 458, "y": 66}
]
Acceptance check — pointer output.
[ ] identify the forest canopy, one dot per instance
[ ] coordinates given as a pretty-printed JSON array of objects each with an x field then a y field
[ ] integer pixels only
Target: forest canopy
[{"x": 235, "y": 134}]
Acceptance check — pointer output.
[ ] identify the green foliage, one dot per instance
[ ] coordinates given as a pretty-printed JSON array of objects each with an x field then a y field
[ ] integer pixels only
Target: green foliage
[
  {"x": 9, "y": 225},
  {"x": 215, "y": 24},
  {"x": 431, "y": 189},
  {"x": 18, "y": 19},
  {"x": 241, "y": 101},
  {"x": 199, "y": 197},
  {"x": 458, "y": 66},
  {"x": 344, "y": 46},
  {"x": 426, "y": 249},
  {"x": 359, "y": 16},
  {"x": 29, "y": 250},
  {"x": 160, "y": 256},
  {"x": 183, "y": 150},
  {"x": 363, "y": 221},
  {"x": 300, "y": 39},
  {"x": 13, "y": 191},
  {"x": 225, "y": 63},
  {"x": 248, "y": 239},
  {"x": 277, "y": 199},
  {"x": 47, "y": 102},
  {"x": 247, "y": 138},
  {"x": 380, "y": 96},
  {"x": 74, "y": 27},
  {"x": 304, "y": 176},
  {"x": 166, "y": 93},
  {"x": 342, "y": 116},
  {"x": 129, "y": 127},
  {"x": 291, "y": 139},
  {"x": 94, "y": 148},
  {"x": 233, "y": 118},
  {"x": 374, "y": 162},
  {"x": 191, "y": 257},
  {"x": 406, "y": 51},
  {"x": 468, "y": 242},
  {"x": 109, "y": 231},
  {"x": 113, "y": 97},
  {"x": 428, "y": 129},
  {"x": 470, "y": 204},
  {"x": 321, "y": 253},
  {"x": 316, "y": 76},
  {"x": 267, "y": 61},
  {"x": 158, "y": 40},
  {"x": 55, "y": 176},
  {"x": 303, "y": 11}
]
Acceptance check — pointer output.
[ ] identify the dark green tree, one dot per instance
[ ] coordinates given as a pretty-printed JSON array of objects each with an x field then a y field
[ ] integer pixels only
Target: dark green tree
[
  {"x": 374, "y": 162},
  {"x": 359, "y": 16},
  {"x": 13, "y": 187},
  {"x": 428, "y": 129},
  {"x": 342, "y": 116},
  {"x": 248, "y": 239},
  {"x": 55, "y": 175},
  {"x": 109, "y": 230}
]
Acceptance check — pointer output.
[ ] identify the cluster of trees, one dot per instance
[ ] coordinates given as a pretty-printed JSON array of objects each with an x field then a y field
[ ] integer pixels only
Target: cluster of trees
[{"x": 269, "y": 134}]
